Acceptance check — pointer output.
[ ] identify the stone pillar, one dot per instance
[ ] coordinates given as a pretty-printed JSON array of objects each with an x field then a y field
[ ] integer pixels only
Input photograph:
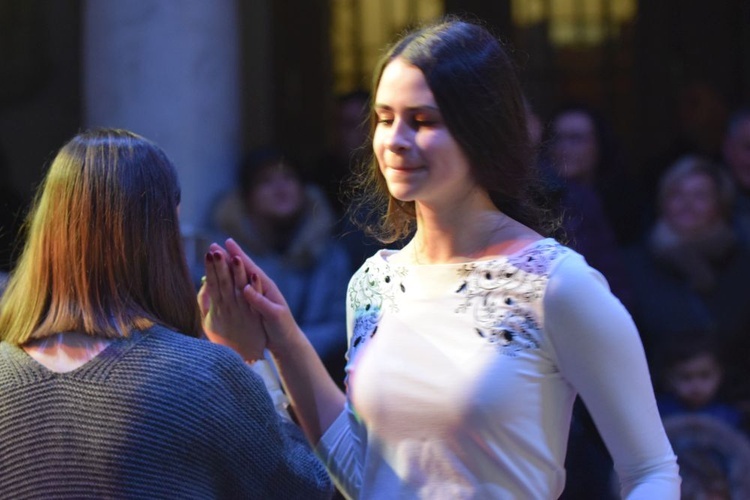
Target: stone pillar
[{"x": 169, "y": 70}]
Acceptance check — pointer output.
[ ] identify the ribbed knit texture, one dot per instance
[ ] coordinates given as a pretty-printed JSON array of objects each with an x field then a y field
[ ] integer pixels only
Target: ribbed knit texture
[{"x": 158, "y": 415}]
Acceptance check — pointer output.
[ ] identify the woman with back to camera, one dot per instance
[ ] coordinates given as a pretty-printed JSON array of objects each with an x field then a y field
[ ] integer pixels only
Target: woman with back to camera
[
  {"x": 104, "y": 389},
  {"x": 467, "y": 346}
]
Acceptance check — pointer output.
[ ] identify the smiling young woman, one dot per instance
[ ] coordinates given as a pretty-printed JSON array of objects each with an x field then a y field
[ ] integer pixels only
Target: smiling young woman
[{"x": 468, "y": 346}]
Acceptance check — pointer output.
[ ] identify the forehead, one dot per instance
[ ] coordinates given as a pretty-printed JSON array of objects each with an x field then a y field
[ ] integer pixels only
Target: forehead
[
  {"x": 695, "y": 180},
  {"x": 403, "y": 82},
  {"x": 699, "y": 362}
]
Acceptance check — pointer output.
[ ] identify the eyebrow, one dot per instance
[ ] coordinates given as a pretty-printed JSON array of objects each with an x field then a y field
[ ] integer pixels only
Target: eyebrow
[{"x": 422, "y": 107}]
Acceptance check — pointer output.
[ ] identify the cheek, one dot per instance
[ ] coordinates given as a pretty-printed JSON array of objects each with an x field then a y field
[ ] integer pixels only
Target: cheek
[
  {"x": 673, "y": 206},
  {"x": 438, "y": 146},
  {"x": 378, "y": 146},
  {"x": 378, "y": 138}
]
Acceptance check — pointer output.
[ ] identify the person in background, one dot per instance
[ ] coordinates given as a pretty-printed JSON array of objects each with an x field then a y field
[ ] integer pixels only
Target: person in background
[
  {"x": 105, "y": 388},
  {"x": 714, "y": 457},
  {"x": 574, "y": 148},
  {"x": 691, "y": 271},
  {"x": 583, "y": 149},
  {"x": 347, "y": 149},
  {"x": 581, "y": 155},
  {"x": 736, "y": 156},
  {"x": 467, "y": 346},
  {"x": 287, "y": 227},
  {"x": 691, "y": 378}
]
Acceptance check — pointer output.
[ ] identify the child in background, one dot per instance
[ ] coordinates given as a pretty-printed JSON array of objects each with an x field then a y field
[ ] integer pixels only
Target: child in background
[{"x": 692, "y": 378}]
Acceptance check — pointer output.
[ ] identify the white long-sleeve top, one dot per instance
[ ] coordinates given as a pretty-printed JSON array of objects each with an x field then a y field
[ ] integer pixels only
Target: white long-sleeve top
[{"x": 462, "y": 377}]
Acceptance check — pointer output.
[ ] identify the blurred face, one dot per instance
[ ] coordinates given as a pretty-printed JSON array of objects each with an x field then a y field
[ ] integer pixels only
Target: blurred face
[
  {"x": 278, "y": 193},
  {"x": 692, "y": 205},
  {"x": 737, "y": 154},
  {"x": 418, "y": 157},
  {"x": 574, "y": 146},
  {"x": 352, "y": 126},
  {"x": 696, "y": 381}
]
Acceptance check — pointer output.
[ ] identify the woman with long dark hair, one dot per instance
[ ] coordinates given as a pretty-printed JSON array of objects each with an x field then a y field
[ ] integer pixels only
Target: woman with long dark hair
[{"x": 467, "y": 346}]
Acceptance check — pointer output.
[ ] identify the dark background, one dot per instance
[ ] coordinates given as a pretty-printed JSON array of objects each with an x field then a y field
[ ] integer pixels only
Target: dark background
[{"x": 668, "y": 78}]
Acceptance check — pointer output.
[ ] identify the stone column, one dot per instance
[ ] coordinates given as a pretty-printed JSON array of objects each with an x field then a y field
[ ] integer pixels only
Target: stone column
[{"x": 169, "y": 70}]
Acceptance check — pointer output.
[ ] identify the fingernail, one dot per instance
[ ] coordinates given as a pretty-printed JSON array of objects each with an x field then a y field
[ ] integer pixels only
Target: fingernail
[
  {"x": 253, "y": 277},
  {"x": 236, "y": 261},
  {"x": 217, "y": 256},
  {"x": 209, "y": 257}
]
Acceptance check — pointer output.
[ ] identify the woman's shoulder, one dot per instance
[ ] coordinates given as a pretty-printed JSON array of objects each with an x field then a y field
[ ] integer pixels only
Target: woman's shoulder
[
  {"x": 539, "y": 255},
  {"x": 179, "y": 348},
  {"x": 570, "y": 275},
  {"x": 197, "y": 364},
  {"x": 378, "y": 259}
]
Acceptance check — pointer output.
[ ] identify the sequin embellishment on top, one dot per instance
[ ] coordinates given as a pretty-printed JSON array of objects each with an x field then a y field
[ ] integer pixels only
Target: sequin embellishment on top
[
  {"x": 373, "y": 289},
  {"x": 497, "y": 293}
]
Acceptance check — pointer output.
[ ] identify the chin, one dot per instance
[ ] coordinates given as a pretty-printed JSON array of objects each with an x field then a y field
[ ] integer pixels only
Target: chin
[{"x": 403, "y": 197}]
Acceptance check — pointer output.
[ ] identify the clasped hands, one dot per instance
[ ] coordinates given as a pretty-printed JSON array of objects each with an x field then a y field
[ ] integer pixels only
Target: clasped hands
[{"x": 240, "y": 306}]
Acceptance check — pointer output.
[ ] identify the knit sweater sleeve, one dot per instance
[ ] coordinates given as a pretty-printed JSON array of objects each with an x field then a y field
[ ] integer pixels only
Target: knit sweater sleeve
[
  {"x": 599, "y": 352},
  {"x": 263, "y": 454}
]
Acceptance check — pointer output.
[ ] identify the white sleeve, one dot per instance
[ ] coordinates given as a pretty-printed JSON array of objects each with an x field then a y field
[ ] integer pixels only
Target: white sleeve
[
  {"x": 267, "y": 373},
  {"x": 341, "y": 449},
  {"x": 342, "y": 446},
  {"x": 599, "y": 352}
]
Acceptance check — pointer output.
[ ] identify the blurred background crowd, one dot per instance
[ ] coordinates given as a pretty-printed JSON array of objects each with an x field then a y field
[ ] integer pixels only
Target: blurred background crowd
[{"x": 640, "y": 112}]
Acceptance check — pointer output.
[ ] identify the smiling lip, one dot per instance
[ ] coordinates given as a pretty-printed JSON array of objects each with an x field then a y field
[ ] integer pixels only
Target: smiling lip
[{"x": 402, "y": 168}]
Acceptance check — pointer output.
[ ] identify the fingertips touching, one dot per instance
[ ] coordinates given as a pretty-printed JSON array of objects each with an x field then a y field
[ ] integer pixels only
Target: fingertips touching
[
  {"x": 238, "y": 273},
  {"x": 256, "y": 283}
]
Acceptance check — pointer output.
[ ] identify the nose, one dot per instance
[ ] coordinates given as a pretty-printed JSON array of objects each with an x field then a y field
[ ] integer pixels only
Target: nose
[{"x": 400, "y": 136}]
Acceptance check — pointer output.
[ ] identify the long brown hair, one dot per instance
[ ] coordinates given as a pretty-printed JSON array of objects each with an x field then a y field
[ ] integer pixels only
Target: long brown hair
[
  {"x": 475, "y": 85},
  {"x": 104, "y": 251}
]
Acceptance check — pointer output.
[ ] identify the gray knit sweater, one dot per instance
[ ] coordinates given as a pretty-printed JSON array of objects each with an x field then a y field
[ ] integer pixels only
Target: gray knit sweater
[{"x": 158, "y": 415}]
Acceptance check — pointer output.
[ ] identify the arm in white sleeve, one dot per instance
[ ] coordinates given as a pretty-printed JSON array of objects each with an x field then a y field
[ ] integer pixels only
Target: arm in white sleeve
[
  {"x": 267, "y": 373},
  {"x": 340, "y": 449},
  {"x": 342, "y": 446},
  {"x": 599, "y": 352}
]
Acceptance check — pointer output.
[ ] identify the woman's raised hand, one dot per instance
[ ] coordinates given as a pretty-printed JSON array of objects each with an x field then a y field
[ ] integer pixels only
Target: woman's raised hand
[
  {"x": 227, "y": 317},
  {"x": 265, "y": 298}
]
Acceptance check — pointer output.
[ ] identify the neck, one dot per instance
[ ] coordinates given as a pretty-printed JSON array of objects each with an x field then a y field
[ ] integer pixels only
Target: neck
[
  {"x": 463, "y": 234},
  {"x": 65, "y": 352}
]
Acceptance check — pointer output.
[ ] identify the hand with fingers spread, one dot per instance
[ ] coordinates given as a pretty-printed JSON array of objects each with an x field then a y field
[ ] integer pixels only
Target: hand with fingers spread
[{"x": 227, "y": 316}]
